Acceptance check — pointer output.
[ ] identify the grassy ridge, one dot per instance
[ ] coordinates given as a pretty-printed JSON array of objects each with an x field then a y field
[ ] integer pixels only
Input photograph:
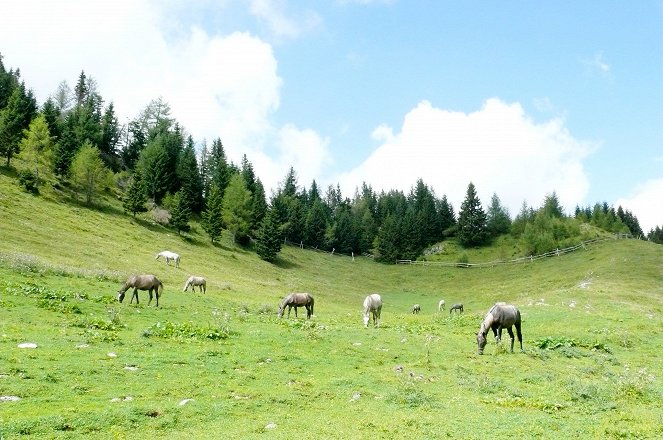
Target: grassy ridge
[{"x": 109, "y": 370}]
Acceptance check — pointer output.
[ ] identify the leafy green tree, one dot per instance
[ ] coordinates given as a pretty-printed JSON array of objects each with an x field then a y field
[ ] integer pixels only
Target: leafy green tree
[
  {"x": 237, "y": 209},
  {"x": 15, "y": 117},
  {"x": 135, "y": 197},
  {"x": 472, "y": 229},
  {"x": 551, "y": 206},
  {"x": 37, "y": 149},
  {"x": 498, "y": 220},
  {"x": 134, "y": 144},
  {"x": 180, "y": 213},
  {"x": 268, "y": 244},
  {"x": 89, "y": 172},
  {"x": 212, "y": 217},
  {"x": 525, "y": 216}
]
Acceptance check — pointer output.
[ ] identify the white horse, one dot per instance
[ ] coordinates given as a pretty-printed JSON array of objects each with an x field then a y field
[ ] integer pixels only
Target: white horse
[
  {"x": 440, "y": 305},
  {"x": 168, "y": 255},
  {"x": 372, "y": 305},
  {"x": 195, "y": 281}
]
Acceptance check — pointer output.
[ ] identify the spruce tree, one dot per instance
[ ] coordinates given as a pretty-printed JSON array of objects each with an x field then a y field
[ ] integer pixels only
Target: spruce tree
[
  {"x": 180, "y": 213},
  {"x": 269, "y": 238},
  {"x": 472, "y": 230},
  {"x": 212, "y": 217},
  {"x": 497, "y": 220},
  {"x": 21, "y": 108},
  {"x": 237, "y": 209},
  {"x": 135, "y": 197}
]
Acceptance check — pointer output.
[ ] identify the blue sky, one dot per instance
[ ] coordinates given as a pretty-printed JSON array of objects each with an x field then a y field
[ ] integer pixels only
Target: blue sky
[{"x": 520, "y": 98}]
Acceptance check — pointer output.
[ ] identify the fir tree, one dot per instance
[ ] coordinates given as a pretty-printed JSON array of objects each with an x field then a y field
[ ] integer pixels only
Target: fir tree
[
  {"x": 472, "y": 229},
  {"x": 21, "y": 108},
  {"x": 237, "y": 209},
  {"x": 180, "y": 214},
  {"x": 135, "y": 197},
  {"x": 212, "y": 217},
  {"x": 497, "y": 220},
  {"x": 269, "y": 238}
]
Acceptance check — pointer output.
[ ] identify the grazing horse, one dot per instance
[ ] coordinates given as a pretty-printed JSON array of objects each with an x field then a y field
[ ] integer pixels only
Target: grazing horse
[
  {"x": 168, "y": 255},
  {"x": 372, "y": 305},
  {"x": 500, "y": 316},
  {"x": 416, "y": 308},
  {"x": 457, "y": 306},
  {"x": 440, "y": 305},
  {"x": 297, "y": 300},
  {"x": 141, "y": 282},
  {"x": 195, "y": 281}
]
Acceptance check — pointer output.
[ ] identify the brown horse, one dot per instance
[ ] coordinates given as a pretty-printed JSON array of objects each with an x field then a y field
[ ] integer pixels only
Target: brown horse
[
  {"x": 297, "y": 300},
  {"x": 500, "y": 316},
  {"x": 141, "y": 282}
]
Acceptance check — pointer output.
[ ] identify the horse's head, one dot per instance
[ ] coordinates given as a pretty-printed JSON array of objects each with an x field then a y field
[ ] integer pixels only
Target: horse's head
[
  {"x": 366, "y": 318},
  {"x": 120, "y": 296},
  {"x": 481, "y": 341}
]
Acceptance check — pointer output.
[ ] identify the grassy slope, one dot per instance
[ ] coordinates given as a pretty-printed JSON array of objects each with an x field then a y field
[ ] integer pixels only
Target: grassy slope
[{"x": 303, "y": 376}]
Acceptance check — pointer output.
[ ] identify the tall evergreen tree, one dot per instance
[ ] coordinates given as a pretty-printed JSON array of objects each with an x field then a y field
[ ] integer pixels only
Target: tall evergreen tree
[
  {"x": 15, "y": 117},
  {"x": 180, "y": 213},
  {"x": 135, "y": 197},
  {"x": 237, "y": 209},
  {"x": 189, "y": 176},
  {"x": 472, "y": 230},
  {"x": 153, "y": 167},
  {"x": 212, "y": 217},
  {"x": 447, "y": 222},
  {"x": 268, "y": 244},
  {"x": 498, "y": 221},
  {"x": 388, "y": 240},
  {"x": 136, "y": 141},
  {"x": 315, "y": 224},
  {"x": 218, "y": 166},
  {"x": 111, "y": 132}
]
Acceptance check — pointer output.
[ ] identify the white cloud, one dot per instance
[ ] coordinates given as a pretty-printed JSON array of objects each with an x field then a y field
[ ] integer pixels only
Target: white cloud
[
  {"x": 498, "y": 148},
  {"x": 224, "y": 86},
  {"x": 646, "y": 203},
  {"x": 273, "y": 13},
  {"x": 597, "y": 63}
]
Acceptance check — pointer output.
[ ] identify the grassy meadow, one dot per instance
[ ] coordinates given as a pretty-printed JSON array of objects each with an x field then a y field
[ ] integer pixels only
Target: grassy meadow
[{"x": 222, "y": 365}]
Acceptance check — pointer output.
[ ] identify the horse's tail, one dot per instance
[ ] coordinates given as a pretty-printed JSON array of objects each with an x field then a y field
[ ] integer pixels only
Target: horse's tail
[{"x": 160, "y": 289}]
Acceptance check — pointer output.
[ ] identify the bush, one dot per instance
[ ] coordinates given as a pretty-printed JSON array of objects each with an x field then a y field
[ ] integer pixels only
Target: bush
[{"x": 29, "y": 181}]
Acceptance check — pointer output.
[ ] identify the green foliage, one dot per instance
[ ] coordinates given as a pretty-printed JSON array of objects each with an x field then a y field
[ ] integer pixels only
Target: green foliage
[
  {"x": 185, "y": 331},
  {"x": 28, "y": 180},
  {"x": 269, "y": 238},
  {"x": 135, "y": 197},
  {"x": 498, "y": 221},
  {"x": 180, "y": 213},
  {"x": 212, "y": 217},
  {"x": 15, "y": 117},
  {"x": 237, "y": 209},
  {"x": 472, "y": 228},
  {"x": 89, "y": 172},
  {"x": 37, "y": 150}
]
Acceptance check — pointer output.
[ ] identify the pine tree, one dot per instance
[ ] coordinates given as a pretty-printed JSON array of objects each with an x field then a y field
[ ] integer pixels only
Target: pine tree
[
  {"x": 189, "y": 176},
  {"x": 472, "y": 229},
  {"x": 111, "y": 133},
  {"x": 135, "y": 197},
  {"x": 447, "y": 218},
  {"x": 388, "y": 240},
  {"x": 497, "y": 219},
  {"x": 15, "y": 117},
  {"x": 269, "y": 238},
  {"x": 212, "y": 217},
  {"x": 180, "y": 214},
  {"x": 237, "y": 209},
  {"x": 153, "y": 167}
]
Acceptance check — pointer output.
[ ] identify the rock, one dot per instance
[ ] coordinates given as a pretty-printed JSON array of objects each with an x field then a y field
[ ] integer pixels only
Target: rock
[
  {"x": 9, "y": 398},
  {"x": 112, "y": 354},
  {"x": 271, "y": 425},
  {"x": 27, "y": 345},
  {"x": 185, "y": 401}
]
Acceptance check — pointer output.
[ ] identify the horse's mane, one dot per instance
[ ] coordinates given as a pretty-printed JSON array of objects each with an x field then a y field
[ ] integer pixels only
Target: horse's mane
[{"x": 487, "y": 322}]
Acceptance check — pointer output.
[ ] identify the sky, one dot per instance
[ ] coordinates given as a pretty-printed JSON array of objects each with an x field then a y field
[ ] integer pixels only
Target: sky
[{"x": 523, "y": 99}]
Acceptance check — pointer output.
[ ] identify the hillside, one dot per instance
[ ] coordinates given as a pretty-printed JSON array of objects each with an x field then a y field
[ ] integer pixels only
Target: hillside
[{"x": 103, "y": 369}]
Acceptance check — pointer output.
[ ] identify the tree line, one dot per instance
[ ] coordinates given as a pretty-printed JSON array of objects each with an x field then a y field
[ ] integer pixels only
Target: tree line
[{"x": 74, "y": 140}]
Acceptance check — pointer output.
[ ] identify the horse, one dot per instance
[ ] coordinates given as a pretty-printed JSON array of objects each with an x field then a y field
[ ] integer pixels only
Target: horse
[
  {"x": 195, "y": 281},
  {"x": 457, "y": 306},
  {"x": 372, "y": 305},
  {"x": 500, "y": 316},
  {"x": 440, "y": 305},
  {"x": 141, "y": 282},
  {"x": 168, "y": 255},
  {"x": 416, "y": 308},
  {"x": 297, "y": 300}
]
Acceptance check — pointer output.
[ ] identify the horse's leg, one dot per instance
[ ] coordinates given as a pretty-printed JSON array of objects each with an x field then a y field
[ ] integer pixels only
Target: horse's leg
[
  {"x": 296, "y": 307},
  {"x": 495, "y": 333},
  {"x": 520, "y": 335},
  {"x": 511, "y": 336},
  {"x": 149, "y": 292},
  {"x": 135, "y": 295}
]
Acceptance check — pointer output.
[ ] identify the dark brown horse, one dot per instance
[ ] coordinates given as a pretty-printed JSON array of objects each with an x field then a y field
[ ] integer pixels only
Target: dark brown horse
[
  {"x": 500, "y": 316},
  {"x": 457, "y": 306},
  {"x": 297, "y": 300},
  {"x": 141, "y": 282}
]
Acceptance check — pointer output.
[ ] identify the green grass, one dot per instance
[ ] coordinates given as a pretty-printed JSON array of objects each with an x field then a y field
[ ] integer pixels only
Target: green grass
[{"x": 592, "y": 322}]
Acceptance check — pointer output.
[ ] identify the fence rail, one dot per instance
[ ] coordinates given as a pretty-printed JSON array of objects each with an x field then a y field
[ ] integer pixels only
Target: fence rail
[{"x": 555, "y": 253}]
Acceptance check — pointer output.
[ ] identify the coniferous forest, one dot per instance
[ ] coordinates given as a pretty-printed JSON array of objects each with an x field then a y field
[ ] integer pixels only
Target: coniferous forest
[{"x": 74, "y": 141}]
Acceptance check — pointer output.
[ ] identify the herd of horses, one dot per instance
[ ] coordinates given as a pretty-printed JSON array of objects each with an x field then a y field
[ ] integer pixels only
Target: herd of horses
[{"x": 500, "y": 316}]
